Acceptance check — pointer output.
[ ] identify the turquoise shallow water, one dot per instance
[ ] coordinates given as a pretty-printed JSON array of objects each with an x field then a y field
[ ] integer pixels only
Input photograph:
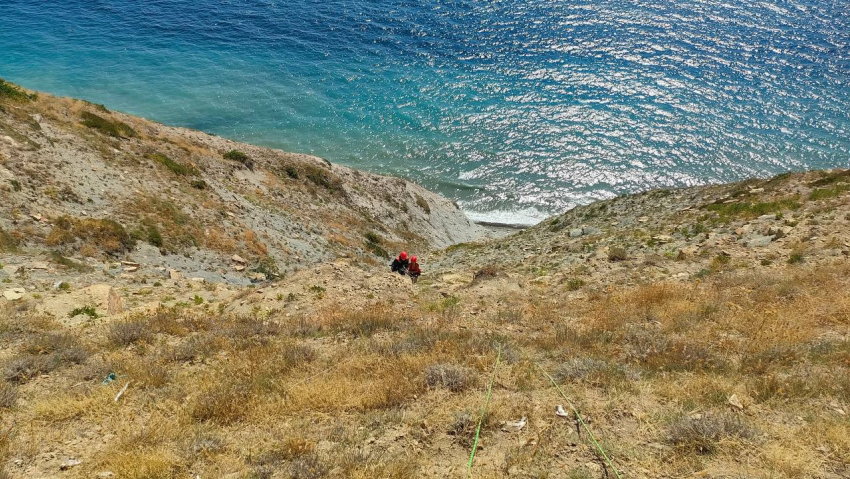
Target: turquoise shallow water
[{"x": 516, "y": 109}]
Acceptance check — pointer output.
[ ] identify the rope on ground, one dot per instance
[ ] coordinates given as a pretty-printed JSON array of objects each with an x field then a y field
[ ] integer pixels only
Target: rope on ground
[
  {"x": 483, "y": 412},
  {"x": 583, "y": 424}
]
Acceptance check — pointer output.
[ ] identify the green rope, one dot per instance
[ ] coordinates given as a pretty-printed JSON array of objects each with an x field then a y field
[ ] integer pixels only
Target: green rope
[
  {"x": 581, "y": 421},
  {"x": 483, "y": 412}
]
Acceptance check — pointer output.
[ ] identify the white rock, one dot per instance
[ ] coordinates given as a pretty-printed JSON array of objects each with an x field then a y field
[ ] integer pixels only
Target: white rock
[
  {"x": 173, "y": 274},
  {"x": 69, "y": 464},
  {"x": 238, "y": 259},
  {"x": 14, "y": 294},
  {"x": 735, "y": 401}
]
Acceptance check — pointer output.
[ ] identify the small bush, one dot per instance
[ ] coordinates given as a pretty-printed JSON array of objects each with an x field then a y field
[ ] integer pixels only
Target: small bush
[
  {"x": 175, "y": 167},
  {"x": 828, "y": 193},
  {"x": 199, "y": 184},
  {"x": 291, "y": 171},
  {"x": 8, "y": 396},
  {"x": 422, "y": 203},
  {"x": 12, "y": 92},
  {"x": 322, "y": 177},
  {"x": 485, "y": 273},
  {"x": 373, "y": 244},
  {"x": 124, "y": 333},
  {"x": 617, "y": 253},
  {"x": 222, "y": 402},
  {"x": 108, "y": 235},
  {"x": 115, "y": 129},
  {"x": 57, "y": 258},
  {"x": 154, "y": 237},
  {"x": 16, "y": 185},
  {"x": 701, "y": 435},
  {"x": 452, "y": 377},
  {"x": 574, "y": 284},
  {"x": 727, "y": 211},
  {"x": 363, "y": 323},
  {"x": 267, "y": 266},
  {"x": 591, "y": 371},
  {"x": 236, "y": 155},
  {"x": 89, "y": 311},
  {"x": 25, "y": 367},
  {"x": 8, "y": 243},
  {"x": 795, "y": 258}
]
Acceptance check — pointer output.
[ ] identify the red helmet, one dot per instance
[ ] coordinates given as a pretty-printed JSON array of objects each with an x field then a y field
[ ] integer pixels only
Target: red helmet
[
  {"x": 413, "y": 259},
  {"x": 403, "y": 255}
]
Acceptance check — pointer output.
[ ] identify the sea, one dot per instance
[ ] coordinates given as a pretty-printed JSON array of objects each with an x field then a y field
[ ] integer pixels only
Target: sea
[{"x": 516, "y": 109}]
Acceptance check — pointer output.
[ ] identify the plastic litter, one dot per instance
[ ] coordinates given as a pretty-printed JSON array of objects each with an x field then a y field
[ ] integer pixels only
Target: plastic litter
[
  {"x": 109, "y": 378},
  {"x": 122, "y": 391},
  {"x": 559, "y": 411}
]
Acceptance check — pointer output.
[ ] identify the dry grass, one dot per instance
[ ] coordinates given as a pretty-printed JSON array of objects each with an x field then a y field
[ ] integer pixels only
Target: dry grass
[{"x": 652, "y": 364}]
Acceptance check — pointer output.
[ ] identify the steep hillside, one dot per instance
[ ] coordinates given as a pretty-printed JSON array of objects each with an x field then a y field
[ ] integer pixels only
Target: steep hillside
[
  {"x": 701, "y": 332},
  {"x": 90, "y": 183}
]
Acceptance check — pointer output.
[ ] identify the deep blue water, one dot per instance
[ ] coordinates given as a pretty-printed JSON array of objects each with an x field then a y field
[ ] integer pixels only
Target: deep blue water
[{"x": 517, "y": 108}]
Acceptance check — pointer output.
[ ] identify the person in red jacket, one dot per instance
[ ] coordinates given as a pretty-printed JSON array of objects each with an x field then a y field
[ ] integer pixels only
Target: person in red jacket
[
  {"x": 400, "y": 264},
  {"x": 413, "y": 270}
]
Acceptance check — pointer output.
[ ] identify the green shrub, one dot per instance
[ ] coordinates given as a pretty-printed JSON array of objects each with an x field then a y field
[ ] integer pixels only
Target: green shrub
[
  {"x": 16, "y": 185},
  {"x": 574, "y": 284},
  {"x": 291, "y": 171},
  {"x": 373, "y": 244},
  {"x": 12, "y": 92},
  {"x": 57, "y": 258},
  {"x": 89, "y": 311},
  {"x": 745, "y": 209},
  {"x": 236, "y": 155},
  {"x": 115, "y": 129},
  {"x": 322, "y": 177},
  {"x": 267, "y": 266},
  {"x": 154, "y": 237},
  {"x": 175, "y": 167},
  {"x": 199, "y": 184},
  {"x": 828, "y": 193}
]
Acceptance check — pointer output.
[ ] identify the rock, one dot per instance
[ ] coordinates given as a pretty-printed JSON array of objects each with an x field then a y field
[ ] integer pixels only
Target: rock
[
  {"x": 198, "y": 279},
  {"x": 40, "y": 265},
  {"x": 115, "y": 303},
  {"x": 69, "y": 464},
  {"x": 257, "y": 276},
  {"x": 130, "y": 264},
  {"x": 756, "y": 191},
  {"x": 771, "y": 216},
  {"x": 14, "y": 294},
  {"x": 173, "y": 274},
  {"x": 239, "y": 267},
  {"x": 575, "y": 233},
  {"x": 131, "y": 269},
  {"x": 238, "y": 259},
  {"x": 643, "y": 219},
  {"x": 663, "y": 238},
  {"x": 757, "y": 241},
  {"x": 735, "y": 401},
  {"x": 36, "y": 216},
  {"x": 105, "y": 475}
]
